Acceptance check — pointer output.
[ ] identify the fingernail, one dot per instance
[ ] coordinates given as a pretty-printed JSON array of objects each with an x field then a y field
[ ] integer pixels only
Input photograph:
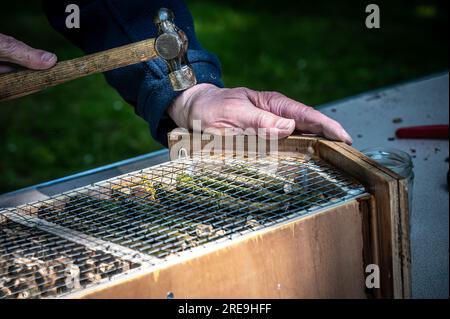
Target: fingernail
[
  {"x": 48, "y": 57},
  {"x": 285, "y": 124},
  {"x": 347, "y": 137}
]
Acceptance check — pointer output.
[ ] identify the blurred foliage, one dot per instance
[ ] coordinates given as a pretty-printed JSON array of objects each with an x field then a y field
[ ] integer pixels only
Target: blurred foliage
[{"x": 311, "y": 51}]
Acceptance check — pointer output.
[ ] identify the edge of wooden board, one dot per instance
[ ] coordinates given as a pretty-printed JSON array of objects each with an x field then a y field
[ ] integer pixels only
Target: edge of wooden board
[
  {"x": 391, "y": 223},
  {"x": 244, "y": 145}
]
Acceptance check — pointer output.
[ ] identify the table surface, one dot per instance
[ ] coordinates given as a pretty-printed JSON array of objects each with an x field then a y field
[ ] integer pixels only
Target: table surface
[{"x": 368, "y": 118}]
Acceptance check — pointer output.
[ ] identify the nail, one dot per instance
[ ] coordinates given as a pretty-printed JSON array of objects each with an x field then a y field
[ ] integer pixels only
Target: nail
[
  {"x": 48, "y": 57},
  {"x": 347, "y": 137},
  {"x": 285, "y": 124}
]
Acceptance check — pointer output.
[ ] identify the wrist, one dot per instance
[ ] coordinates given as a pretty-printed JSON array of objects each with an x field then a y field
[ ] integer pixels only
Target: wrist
[{"x": 181, "y": 108}]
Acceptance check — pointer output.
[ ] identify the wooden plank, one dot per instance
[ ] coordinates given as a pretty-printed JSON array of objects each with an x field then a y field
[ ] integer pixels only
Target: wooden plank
[
  {"x": 404, "y": 237},
  {"x": 402, "y": 232},
  {"x": 365, "y": 207},
  {"x": 317, "y": 256},
  {"x": 386, "y": 225},
  {"x": 247, "y": 145},
  {"x": 370, "y": 161},
  {"x": 17, "y": 84}
]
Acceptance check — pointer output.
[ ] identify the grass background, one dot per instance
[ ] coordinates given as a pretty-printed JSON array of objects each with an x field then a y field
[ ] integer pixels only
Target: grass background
[{"x": 314, "y": 52}]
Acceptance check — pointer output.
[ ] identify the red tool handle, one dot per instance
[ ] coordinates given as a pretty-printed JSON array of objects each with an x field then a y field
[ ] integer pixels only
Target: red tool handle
[{"x": 426, "y": 131}]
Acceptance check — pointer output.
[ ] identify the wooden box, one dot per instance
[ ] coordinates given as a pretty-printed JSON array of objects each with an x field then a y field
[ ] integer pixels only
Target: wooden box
[{"x": 324, "y": 255}]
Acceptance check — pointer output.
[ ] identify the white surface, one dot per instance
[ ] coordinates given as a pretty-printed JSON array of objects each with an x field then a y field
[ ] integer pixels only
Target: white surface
[{"x": 368, "y": 119}]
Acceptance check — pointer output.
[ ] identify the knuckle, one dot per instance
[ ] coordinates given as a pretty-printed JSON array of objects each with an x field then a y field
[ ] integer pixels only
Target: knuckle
[
  {"x": 278, "y": 103},
  {"x": 272, "y": 94},
  {"x": 305, "y": 112},
  {"x": 258, "y": 120},
  {"x": 240, "y": 92},
  {"x": 272, "y": 101},
  {"x": 8, "y": 45}
]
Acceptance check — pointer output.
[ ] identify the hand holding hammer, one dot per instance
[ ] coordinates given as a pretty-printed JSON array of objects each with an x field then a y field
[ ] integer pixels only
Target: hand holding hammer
[
  {"x": 218, "y": 108},
  {"x": 171, "y": 45}
]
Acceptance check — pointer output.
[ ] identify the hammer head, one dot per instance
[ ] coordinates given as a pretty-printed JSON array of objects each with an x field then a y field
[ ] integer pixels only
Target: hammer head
[{"x": 171, "y": 45}]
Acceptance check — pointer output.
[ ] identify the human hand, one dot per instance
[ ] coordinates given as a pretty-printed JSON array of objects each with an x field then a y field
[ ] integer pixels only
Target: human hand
[
  {"x": 241, "y": 108},
  {"x": 17, "y": 52}
]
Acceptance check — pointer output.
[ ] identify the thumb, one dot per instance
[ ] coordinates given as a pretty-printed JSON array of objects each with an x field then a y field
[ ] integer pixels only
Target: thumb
[
  {"x": 272, "y": 126},
  {"x": 15, "y": 51}
]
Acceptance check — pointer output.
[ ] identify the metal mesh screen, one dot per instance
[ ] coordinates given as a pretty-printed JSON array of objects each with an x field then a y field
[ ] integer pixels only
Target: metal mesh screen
[
  {"x": 35, "y": 263},
  {"x": 138, "y": 219}
]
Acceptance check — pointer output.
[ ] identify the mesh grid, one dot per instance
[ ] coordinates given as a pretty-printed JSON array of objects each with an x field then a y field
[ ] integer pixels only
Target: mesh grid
[
  {"x": 149, "y": 215},
  {"x": 36, "y": 264}
]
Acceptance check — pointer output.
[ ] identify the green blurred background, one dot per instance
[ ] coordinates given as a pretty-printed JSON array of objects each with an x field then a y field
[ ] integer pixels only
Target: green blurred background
[{"x": 312, "y": 51}]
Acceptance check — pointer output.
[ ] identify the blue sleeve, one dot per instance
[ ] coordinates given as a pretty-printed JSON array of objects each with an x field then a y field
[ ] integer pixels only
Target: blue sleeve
[{"x": 106, "y": 24}]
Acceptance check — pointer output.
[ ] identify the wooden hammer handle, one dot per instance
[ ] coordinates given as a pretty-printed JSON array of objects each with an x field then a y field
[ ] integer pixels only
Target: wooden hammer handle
[{"x": 13, "y": 85}]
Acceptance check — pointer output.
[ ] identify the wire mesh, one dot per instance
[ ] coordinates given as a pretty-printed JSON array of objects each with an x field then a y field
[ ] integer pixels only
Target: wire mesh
[
  {"x": 36, "y": 264},
  {"x": 147, "y": 216}
]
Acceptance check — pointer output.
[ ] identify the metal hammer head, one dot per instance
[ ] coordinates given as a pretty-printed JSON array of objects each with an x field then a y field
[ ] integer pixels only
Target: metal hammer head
[{"x": 171, "y": 45}]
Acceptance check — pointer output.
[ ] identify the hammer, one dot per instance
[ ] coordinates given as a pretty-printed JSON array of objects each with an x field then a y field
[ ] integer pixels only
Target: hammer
[{"x": 171, "y": 45}]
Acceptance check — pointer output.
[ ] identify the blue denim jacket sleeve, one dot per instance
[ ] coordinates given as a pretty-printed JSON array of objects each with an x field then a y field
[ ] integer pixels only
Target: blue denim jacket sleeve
[{"x": 106, "y": 24}]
